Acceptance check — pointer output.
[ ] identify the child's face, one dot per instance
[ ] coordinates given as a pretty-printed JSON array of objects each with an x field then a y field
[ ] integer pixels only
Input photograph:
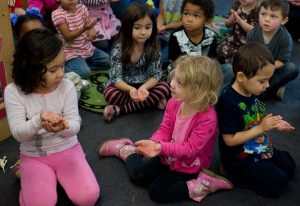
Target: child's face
[
  {"x": 142, "y": 30},
  {"x": 258, "y": 83},
  {"x": 30, "y": 25},
  {"x": 69, "y": 5},
  {"x": 193, "y": 18},
  {"x": 270, "y": 21},
  {"x": 178, "y": 92},
  {"x": 55, "y": 72}
]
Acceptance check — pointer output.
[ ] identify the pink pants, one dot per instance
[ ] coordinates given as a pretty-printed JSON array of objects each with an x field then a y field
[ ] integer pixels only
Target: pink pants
[{"x": 39, "y": 177}]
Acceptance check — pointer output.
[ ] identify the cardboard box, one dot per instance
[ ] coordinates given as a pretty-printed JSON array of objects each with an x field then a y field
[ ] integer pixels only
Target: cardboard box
[{"x": 6, "y": 58}]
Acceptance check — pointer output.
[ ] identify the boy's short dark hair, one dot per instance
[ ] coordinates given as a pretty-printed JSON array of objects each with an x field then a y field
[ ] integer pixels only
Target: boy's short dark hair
[
  {"x": 275, "y": 5},
  {"x": 206, "y": 5},
  {"x": 250, "y": 58}
]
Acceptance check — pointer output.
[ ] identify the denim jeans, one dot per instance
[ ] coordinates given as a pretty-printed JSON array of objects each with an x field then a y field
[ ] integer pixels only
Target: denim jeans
[
  {"x": 83, "y": 66},
  {"x": 280, "y": 78},
  {"x": 163, "y": 39}
]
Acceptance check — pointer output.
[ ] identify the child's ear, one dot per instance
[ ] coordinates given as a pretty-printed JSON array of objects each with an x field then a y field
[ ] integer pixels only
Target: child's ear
[
  {"x": 284, "y": 20},
  {"x": 240, "y": 76}
]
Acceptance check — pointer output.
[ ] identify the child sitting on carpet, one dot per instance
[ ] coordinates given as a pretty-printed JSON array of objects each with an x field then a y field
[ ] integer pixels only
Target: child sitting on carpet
[
  {"x": 173, "y": 163},
  {"x": 195, "y": 38},
  {"x": 135, "y": 73},
  {"x": 107, "y": 26},
  {"x": 76, "y": 30},
  {"x": 247, "y": 152},
  {"x": 43, "y": 116},
  {"x": 271, "y": 32},
  {"x": 243, "y": 16}
]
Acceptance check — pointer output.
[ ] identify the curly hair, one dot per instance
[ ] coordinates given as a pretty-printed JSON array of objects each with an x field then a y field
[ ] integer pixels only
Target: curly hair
[
  {"x": 202, "y": 77},
  {"x": 207, "y": 6},
  {"x": 34, "y": 50},
  {"x": 250, "y": 58},
  {"x": 133, "y": 13}
]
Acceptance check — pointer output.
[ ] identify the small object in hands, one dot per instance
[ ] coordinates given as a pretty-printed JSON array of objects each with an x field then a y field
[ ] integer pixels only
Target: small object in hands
[
  {"x": 57, "y": 120},
  {"x": 85, "y": 85},
  {"x": 3, "y": 162}
]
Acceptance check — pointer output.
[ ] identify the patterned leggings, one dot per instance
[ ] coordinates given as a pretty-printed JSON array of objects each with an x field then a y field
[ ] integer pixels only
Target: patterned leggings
[{"x": 114, "y": 96}]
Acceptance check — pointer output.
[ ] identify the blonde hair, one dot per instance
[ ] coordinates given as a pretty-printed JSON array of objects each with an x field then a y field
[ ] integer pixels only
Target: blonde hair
[{"x": 202, "y": 77}]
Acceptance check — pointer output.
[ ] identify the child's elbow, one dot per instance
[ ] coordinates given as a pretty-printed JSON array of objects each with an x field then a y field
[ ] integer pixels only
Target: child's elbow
[{"x": 229, "y": 140}]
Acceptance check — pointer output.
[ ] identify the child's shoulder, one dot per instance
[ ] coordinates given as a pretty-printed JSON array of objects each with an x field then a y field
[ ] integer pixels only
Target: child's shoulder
[
  {"x": 66, "y": 83},
  {"x": 209, "y": 32},
  {"x": 13, "y": 90},
  {"x": 11, "y": 86},
  {"x": 229, "y": 95}
]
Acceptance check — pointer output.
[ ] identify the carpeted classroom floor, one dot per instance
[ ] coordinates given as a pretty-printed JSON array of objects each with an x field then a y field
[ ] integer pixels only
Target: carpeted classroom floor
[{"x": 116, "y": 190}]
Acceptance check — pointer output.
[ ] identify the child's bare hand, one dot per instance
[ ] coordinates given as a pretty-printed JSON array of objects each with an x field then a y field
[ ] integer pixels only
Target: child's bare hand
[
  {"x": 92, "y": 34},
  {"x": 161, "y": 29},
  {"x": 52, "y": 122},
  {"x": 284, "y": 126},
  {"x": 148, "y": 148},
  {"x": 88, "y": 24},
  {"x": 50, "y": 117},
  {"x": 143, "y": 93},
  {"x": 134, "y": 94},
  {"x": 231, "y": 17},
  {"x": 294, "y": 2},
  {"x": 269, "y": 122}
]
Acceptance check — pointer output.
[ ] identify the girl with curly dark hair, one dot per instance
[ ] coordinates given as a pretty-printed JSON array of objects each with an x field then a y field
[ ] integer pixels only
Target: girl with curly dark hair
[{"x": 43, "y": 116}]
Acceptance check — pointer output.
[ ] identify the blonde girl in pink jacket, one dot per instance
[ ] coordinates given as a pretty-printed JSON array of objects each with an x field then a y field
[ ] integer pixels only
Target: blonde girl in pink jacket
[{"x": 173, "y": 163}]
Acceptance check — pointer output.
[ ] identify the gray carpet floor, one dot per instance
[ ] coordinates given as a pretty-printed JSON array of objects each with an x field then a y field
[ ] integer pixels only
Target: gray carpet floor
[{"x": 111, "y": 174}]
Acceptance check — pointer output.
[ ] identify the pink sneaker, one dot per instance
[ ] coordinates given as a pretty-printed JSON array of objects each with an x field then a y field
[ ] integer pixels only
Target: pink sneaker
[
  {"x": 207, "y": 182},
  {"x": 110, "y": 112},
  {"x": 112, "y": 147},
  {"x": 216, "y": 182}
]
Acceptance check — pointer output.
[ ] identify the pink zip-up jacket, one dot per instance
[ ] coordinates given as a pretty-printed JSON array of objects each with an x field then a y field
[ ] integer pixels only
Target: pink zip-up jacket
[{"x": 196, "y": 150}]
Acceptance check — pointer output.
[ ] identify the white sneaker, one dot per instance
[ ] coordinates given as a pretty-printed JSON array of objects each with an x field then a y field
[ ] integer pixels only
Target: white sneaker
[{"x": 280, "y": 93}]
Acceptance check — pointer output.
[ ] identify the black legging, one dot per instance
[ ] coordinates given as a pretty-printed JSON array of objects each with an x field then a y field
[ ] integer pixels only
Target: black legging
[{"x": 163, "y": 184}]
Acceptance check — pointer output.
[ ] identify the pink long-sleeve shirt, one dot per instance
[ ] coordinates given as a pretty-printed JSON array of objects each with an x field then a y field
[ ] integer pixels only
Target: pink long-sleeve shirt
[
  {"x": 23, "y": 113},
  {"x": 196, "y": 150}
]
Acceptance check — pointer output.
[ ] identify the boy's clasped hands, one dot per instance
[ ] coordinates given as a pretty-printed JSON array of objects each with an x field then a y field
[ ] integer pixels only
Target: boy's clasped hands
[
  {"x": 270, "y": 122},
  {"x": 52, "y": 122}
]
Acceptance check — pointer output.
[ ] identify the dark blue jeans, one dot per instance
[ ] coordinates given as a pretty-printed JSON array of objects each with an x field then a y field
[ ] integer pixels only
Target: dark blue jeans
[
  {"x": 83, "y": 66},
  {"x": 265, "y": 177},
  {"x": 280, "y": 78},
  {"x": 163, "y": 184}
]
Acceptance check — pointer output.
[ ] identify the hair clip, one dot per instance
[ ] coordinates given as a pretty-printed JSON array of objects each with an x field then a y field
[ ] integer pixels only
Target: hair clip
[
  {"x": 14, "y": 18},
  {"x": 33, "y": 11}
]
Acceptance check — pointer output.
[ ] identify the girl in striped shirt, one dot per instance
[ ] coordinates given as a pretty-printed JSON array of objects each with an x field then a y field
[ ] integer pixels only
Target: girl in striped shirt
[{"x": 76, "y": 30}]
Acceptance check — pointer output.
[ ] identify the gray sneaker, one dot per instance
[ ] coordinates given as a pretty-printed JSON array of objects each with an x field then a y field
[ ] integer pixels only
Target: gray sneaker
[{"x": 280, "y": 93}]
